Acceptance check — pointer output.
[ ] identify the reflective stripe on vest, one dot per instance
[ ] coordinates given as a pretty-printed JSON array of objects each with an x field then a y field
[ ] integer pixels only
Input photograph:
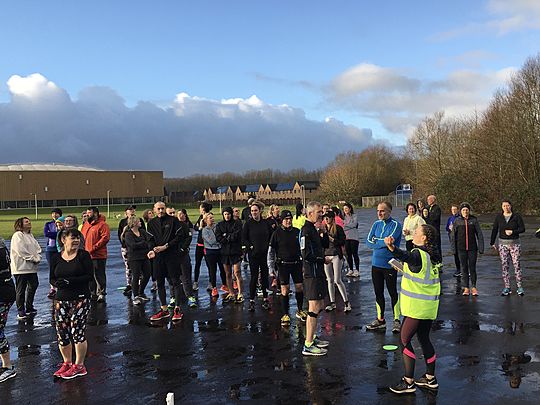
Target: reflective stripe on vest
[
  {"x": 421, "y": 280},
  {"x": 420, "y": 296}
]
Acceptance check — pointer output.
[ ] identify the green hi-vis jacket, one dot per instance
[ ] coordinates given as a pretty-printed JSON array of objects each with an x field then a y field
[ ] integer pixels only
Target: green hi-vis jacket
[{"x": 419, "y": 297}]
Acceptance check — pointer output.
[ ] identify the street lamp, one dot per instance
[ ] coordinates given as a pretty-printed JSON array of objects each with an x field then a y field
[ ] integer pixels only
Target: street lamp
[
  {"x": 303, "y": 187},
  {"x": 35, "y": 203},
  {"x": 108, "y": 203}
]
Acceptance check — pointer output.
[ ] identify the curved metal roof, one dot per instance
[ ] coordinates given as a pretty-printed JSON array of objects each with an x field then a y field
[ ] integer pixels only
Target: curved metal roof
[{"x": 32, "y": 167}]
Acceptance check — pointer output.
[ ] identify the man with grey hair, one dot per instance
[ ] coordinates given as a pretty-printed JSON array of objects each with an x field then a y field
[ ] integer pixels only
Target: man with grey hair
[{"x": 313, "y": 241}]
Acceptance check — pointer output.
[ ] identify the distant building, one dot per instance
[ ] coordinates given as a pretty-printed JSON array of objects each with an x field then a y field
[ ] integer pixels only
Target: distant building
[{"x": 55, "y": 185}]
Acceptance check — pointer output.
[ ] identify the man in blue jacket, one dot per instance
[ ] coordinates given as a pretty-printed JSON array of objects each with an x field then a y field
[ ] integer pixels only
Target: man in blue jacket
[
  {"x": 50, "y": 231},
  {"x": 381, "y": 271}
]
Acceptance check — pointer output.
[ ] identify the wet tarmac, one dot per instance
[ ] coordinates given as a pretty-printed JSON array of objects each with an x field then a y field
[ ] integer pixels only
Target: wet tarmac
[{"x": 488, "y": 347}]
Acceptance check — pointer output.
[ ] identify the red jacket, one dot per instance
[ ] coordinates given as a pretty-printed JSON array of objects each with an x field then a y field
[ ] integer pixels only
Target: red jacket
[{"x": 96, "y": 236}]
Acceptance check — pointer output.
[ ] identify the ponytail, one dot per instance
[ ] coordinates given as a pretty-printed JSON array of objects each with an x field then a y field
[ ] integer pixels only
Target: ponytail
[{"x": 431, "y": 243}]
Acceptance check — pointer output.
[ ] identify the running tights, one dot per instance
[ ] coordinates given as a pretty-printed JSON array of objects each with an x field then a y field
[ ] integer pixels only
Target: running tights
[
  {"x": 333, "y": 276},
  {"x": 199, "y": 254},
  {"x": 420, "y": 328},
  {"x": 380, "y": 276},
  {"x": 258, "y": 265},
  {"x": 351, "y": 248},
  {"x": 467, "y": 259},
  {"x": 213, "y": 261}
]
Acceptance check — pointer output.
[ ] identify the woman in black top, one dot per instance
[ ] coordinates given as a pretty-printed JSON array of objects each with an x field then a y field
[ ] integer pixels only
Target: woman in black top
[
  {"x": 507, "y": 226},
  {"x": 136, "y": 240},
  {"x": 71, "y": 271},
  {"x": 7, "y": 298},
  {"x": 204, "y": 208}
]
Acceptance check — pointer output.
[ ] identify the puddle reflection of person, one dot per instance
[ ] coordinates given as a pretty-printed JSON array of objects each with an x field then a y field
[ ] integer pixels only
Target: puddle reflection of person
[{"x": 510, "y": 366}]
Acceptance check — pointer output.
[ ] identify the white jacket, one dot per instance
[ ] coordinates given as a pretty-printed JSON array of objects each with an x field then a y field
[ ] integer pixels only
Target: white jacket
[
  {"x": 411, "y": 223},
  {"x": 25, "y": 253}
]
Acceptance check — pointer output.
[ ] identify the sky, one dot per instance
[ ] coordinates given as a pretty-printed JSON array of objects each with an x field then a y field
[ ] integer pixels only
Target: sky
[{"x": 211, "y": 86}]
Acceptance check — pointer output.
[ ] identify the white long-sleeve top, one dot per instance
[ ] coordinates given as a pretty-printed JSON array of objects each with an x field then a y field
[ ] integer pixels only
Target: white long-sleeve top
[
  {"x": 25, "y": 253},
  {"x": 411, "y": 223}
]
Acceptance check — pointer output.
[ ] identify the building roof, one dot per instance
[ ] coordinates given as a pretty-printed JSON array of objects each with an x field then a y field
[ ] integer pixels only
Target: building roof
[
  {"x": 272, "y": 186},
  {"x": 285, "y": 186},
  {"x": 222, "y": 189},
  {"x": 309, "y": 185},
  {"x": 252, "y": 188},
  {"x": 34, "y": 167}
]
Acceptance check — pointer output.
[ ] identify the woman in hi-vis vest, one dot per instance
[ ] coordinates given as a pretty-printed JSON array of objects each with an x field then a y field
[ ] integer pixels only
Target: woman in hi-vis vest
[{"x": 419, "y": 302}]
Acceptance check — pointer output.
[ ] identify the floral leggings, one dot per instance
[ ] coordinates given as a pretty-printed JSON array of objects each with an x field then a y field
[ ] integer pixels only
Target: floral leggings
[
  {"x": 507, "y": 252},
  {"x": 4, "y": 310},
  {"x": 71, "y": 317}
]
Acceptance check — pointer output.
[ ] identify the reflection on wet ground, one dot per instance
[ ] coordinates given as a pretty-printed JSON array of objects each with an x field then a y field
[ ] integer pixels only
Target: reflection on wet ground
[{"x": 487, "y": 347}]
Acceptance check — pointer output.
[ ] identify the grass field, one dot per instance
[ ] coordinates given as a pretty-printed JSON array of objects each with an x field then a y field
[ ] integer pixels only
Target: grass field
[{"x": 8, "y": 217}]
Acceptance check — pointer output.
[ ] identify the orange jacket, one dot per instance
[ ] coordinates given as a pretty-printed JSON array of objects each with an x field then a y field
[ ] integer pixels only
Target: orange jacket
[{"x": 96, "y": 236}]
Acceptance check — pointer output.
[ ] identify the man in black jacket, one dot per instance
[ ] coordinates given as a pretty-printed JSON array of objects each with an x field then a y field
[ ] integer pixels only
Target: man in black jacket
[
  {"x": 313, "y": 241},
  {"x": 165, "y": 237},
  {"x": 255, "y": 238}
]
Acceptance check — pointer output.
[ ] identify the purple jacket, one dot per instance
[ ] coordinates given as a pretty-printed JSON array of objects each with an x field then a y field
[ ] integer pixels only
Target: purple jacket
[{"x": 49, "y": 230}]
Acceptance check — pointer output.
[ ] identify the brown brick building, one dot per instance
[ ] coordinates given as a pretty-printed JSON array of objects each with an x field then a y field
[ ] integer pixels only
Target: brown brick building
[{"x": 64, "y": 185}]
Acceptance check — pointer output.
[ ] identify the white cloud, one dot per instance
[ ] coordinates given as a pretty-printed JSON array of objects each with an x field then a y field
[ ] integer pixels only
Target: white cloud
[
  {"x": 399, "y": 108},
  {"x": 508, "y": 16},
  {"x": 41, "y": 123}
]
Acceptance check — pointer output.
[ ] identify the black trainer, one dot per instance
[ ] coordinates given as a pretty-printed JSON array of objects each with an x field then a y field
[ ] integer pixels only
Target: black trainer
[
  {"x": 403, "y": 387},
  {"x": 457, "y": 274},
  {"x": 427, "y": 383}
]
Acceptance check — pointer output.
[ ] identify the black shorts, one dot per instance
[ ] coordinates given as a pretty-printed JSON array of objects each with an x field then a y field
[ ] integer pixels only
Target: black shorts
[
  {"x": 288, "y": 271},
  {"x": 231, "y": 259},
  {"x": 315, "y": 288}
]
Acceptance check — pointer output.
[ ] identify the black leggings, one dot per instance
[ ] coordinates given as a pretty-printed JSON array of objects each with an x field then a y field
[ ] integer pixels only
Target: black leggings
[
  {"x": 351, "y": 248},
  {"x": 140, "y": 274},
  {"x": 420, "y": 328},
  {"x": 379, "y": 276},
  {"x": 256, "y": 265},
  {"x": 467, "y": 259},
  {"x": 199, "y": 254},
  {"x": 213, "y": 261},
  {"x": 26, "y": 286}
]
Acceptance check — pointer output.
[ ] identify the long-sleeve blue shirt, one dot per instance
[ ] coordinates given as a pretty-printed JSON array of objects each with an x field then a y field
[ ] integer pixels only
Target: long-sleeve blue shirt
[{"x": 375, "y": 240}]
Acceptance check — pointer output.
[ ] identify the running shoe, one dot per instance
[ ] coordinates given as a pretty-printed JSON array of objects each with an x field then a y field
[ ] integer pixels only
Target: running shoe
[
  {"x": 154, "y": 287},
  {"x": 376, "y": 325},
  {"x": 396, "y": 326},
  {"x": 302, "y": 315},
  {"x": 506, "y": 291},
  {"x": 265, "y": 304},
  {"x": 330, "y": 307},
  {"x": 52, "y": 294},
  {"x": 356, "y": 274},
  {"x": 195, "y": 286},
  {"x": 192, "y": 302},
  {"x": 466, "y": 291},
  {"x": 63, "y": 368},
  {"x": 251, "y": 306},
  {"x": 101, "y": 298},
  {"x": 7, "y": 373},
  {"x": 127, "y": 291},
  {"x": 163, "y": 313},
  {"x": 177, "y": 315},
  {"x": 403, "y": 387},
  {"x": 215, "y": 292},
  {"x": 209, "y": 288},
  {"x": 520, "y": 291},
  {"x": 313, "y": 351},
  {"x": 137, "y": 301},
  {"x": 224, "y": 288},
  {"x": 22, "y": 316},
  {"x": 31, "y": 311},
  {"x": 239, "y": 298},
  {"x": 144, "y": 298},
  {"x": 457, "y": 274},
  {"x": 285, "y": 320},
  {"x": 348, "y": 307},
  {"x": 349, "y": 273},
  {"x": 320, "y": 343},
  {"x": 426, "y": 382},
  {"x": 229, "y": 298},
  {"x": 76, "y": 370},
  {"x": 474, "y": 291}
]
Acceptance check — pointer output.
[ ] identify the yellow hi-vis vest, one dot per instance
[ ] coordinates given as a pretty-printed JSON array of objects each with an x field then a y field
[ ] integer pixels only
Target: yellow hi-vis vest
[{"x": 419, "y": 296}]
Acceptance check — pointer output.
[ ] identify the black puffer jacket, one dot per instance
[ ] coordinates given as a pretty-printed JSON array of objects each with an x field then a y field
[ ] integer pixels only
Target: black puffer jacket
[
  {"x": 466, "y": 235},
  {"x": 229, "y": 236}
]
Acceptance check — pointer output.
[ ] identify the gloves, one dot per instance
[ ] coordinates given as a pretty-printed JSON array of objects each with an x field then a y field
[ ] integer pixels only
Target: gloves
[{"x": 62, "y": 283}]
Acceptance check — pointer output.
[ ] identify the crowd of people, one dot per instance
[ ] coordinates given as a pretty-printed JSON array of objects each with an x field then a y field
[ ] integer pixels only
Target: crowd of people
[{"x": 312, "y": 247}]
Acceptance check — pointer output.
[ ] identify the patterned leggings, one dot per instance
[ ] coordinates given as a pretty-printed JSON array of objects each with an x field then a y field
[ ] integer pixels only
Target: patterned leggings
[
  {"x": 4, "y": 310},
  {"x": 514, "y": 252},
  {"x": 71, "y": 317}
]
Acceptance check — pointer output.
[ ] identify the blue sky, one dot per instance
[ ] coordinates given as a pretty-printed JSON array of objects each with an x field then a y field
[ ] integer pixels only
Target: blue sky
[{"x": 376, "y": 68}]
